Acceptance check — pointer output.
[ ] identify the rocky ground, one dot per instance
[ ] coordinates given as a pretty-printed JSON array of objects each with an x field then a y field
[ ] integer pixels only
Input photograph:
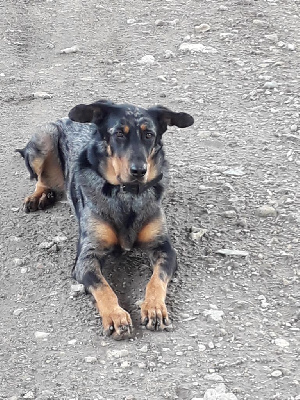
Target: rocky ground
[{"x": 232, "y": 207}]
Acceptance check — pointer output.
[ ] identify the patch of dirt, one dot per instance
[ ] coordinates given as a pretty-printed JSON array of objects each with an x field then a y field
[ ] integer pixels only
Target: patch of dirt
[{"x": 242, "y": 153}]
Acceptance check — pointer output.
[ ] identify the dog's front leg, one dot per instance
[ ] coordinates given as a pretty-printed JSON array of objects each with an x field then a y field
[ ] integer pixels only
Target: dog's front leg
[
  {"x": 115, "y": 320},
  {"x": 153, "y": 310}
]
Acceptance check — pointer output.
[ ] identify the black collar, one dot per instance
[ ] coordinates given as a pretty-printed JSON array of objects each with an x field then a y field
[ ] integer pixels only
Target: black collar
[{"x": 133, "y": 188}]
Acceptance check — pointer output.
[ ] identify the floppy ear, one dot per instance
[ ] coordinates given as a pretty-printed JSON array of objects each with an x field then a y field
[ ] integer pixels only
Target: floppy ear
[
  {"x": 90, "y": 113},
  {"x": 167, "y": 117}
]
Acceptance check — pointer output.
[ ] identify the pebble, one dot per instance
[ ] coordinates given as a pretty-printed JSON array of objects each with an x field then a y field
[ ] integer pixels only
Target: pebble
[
  {"x": 215, "y": 315},
  {"x": 147, "y": 59},
  {"x": 273, "y": 37},
  {"x": 276, "y": 374},
  {"x": 46, "y": 245},
  {"x": 41, "y": 335},
  {"x": 202, "y": 28},
  {"x": 169, "y": 54},
  {"x": 229, "y": 214},
  {"x": 198, "y": 234},
  {"x": 69, "y": 50},
  {"x": 294, "y": 128},
  {"x": 144, "y": 349},
  {"x": 59, "y": 239},
  {"x": 160, "y": 22},
  {"x": 229, "y": 252},
  {"x": 90, "y": 359},
  {"x": 18, "y": 311},
  {"x": 77, "y": 289},
  {"x": 23, "y": 270},
  {"x": 214, "y": 377},
  {"x": 42, "y": 95},
  {"x": 266, "y": 211},
  {"x": 29, "y": 395},
  {"x": 270, "y": 85},
  {"x": 223, "y": 8},
  {"x": 291, "y": 47},
  {"x": 197, "y": 47},
  {"x": 281, "y": 342},
  {"x": 211, "y": 345},
  {"x": 260, "y": 22},
  {"x": 201, "y": 347},
  {"x": 72, "y": 341},
  {"x": 18, "y": 262},
  {"x": 117, "y": 353},
  {"x": 125, "y": 364},
  {"x": 234, "y": 172}
]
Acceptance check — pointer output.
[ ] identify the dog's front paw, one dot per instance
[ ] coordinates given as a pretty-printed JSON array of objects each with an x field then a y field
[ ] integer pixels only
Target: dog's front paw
[
  {"x": 155, "y": 315},
  {"x": 39, "y": 201},
  {"x": 117, "y": 323}
]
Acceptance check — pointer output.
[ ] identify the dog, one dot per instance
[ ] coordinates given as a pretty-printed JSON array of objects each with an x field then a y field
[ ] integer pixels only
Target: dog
[{"x": 109, "y": 160}]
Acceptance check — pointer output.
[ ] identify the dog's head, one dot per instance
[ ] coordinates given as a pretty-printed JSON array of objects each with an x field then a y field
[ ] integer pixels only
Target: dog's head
[{"x": 132, "y": 136}]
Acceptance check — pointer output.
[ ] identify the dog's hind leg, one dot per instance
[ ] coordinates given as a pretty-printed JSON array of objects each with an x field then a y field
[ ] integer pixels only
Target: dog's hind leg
[{"x": 42, "y": 160}]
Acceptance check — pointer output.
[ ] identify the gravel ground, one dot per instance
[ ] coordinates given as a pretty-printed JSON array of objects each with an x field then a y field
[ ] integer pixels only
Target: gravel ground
[{"x": 232, "y": 207}]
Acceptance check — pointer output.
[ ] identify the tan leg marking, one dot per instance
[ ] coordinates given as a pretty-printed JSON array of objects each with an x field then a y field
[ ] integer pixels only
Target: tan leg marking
[
  {"x": 104, "y": 233},
  {"x": 115, "y": 320},
  {"x": 151, "y": 169},
  {"x": 150, "y": 231},
  {"x": 153, "y": 310}
]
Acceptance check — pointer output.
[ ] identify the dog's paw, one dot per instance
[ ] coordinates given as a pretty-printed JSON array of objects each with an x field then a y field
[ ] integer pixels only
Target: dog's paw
[
  {"x": 117, "y": 323},
  {"x": 39, "y": 202},
  {"x": 154, "y": 315}
]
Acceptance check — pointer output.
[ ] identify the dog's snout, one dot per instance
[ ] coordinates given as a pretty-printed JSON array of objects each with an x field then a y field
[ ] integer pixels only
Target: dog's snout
[{"x": 138, "y": 170}]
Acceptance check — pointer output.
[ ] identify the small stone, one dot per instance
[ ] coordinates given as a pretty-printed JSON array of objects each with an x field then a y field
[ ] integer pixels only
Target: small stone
[
  {"x": 41, "y": 335},
  {"x": 77, "y": 289},
  {"x": 41, "y": 95},
  {"x": 197, "y": 47},
  {"x": 223, "y": 8},
  {"x": 260, "y": 22},
  {"x": 229, "y": 252},
  {"x": 276, "y": 374},
  {"x": 202, "y": 28},
  {"x": 90, "y": 359},
  {"x": 18, "y": 311},
  {"x": 125, "y": 364},
  {"x": 211, "y": 345},
  {"x": 46, "y": 245},
  {"x": 270, "y": 85},
  {"x": 130, "y": 21},
  {"x": 281, "y": 342},
  {"x": 59, "y": 239},
  {"x": 294, "y": 128},
  {"x": 266, "y": 211},
  {"x": 72, "y": 341},
  {"x": 117, "y": 353},
  {"x": 23, "y": 270},
  {"x": 229, "y": 214},
  {"x": 160, "y": 22},
  {"x": 169, "y": 54},
  {"x": 201, "y": 347},
  {"x": 291, "y": 47},
  {"x": 213, "y": 377},
  {"x": 215, "y": 315},
  {"x": 69, "y": 50},
  {"x": 15, "y": 209},
  {"x": 18, "y": 262},
  {"x": 29, "y": 395},
  {"x": 143, "y": 349},
  {"x": 273, "y": 37},
  {"x": 148, "y": 59},
  {"x": 198, "y": 234},
  {"x": 234, "y": 172}
]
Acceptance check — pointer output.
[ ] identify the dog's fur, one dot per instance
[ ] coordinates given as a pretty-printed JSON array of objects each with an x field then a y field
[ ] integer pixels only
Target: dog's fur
[{"x": 109, "y": 160}]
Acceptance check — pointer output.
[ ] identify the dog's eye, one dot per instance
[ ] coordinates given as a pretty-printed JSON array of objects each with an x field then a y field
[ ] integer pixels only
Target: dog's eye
[{"x": 149, "y": 135}]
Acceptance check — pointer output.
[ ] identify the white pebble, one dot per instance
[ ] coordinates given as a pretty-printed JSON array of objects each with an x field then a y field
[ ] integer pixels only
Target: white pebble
[
  {"x": 281, "y": 342},
  {"x": 197, "y": 47},
  {"x": 276, "y": 374},
  {"x": 72, "y": 341},
  {"x": 42, "y": 95},
  {"x": 270, "y": 85},
  {"x": 41, "y": 335},
  {"x": 90, "y": 359},
  {"x": 202, "y": 28},
  {"x": 148, "y": 59},
  {"x": 69, "y": 50}
]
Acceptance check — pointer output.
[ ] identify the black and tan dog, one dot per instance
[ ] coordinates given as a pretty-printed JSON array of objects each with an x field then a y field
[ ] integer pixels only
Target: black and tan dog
[{"x": 109, "y": 160}]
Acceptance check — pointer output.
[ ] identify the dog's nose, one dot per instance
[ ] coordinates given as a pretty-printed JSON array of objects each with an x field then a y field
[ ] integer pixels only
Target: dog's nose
[{"x": 137, "y": 170}]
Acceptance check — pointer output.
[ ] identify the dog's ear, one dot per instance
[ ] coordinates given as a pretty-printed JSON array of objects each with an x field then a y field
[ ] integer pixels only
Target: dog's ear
[
  {"x": 94, "y": 112},
  {"x": 166, "y": 117}
]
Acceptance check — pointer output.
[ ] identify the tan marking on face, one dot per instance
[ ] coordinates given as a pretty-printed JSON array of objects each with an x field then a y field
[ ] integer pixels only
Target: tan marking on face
[
  {"x": 151, "y": 230},
  {"x": 104, "y": 233},
  {"x": 143, "y": 127},
  {"x": 126, "y": 129},
  {"x": 151, "y": 168}
]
